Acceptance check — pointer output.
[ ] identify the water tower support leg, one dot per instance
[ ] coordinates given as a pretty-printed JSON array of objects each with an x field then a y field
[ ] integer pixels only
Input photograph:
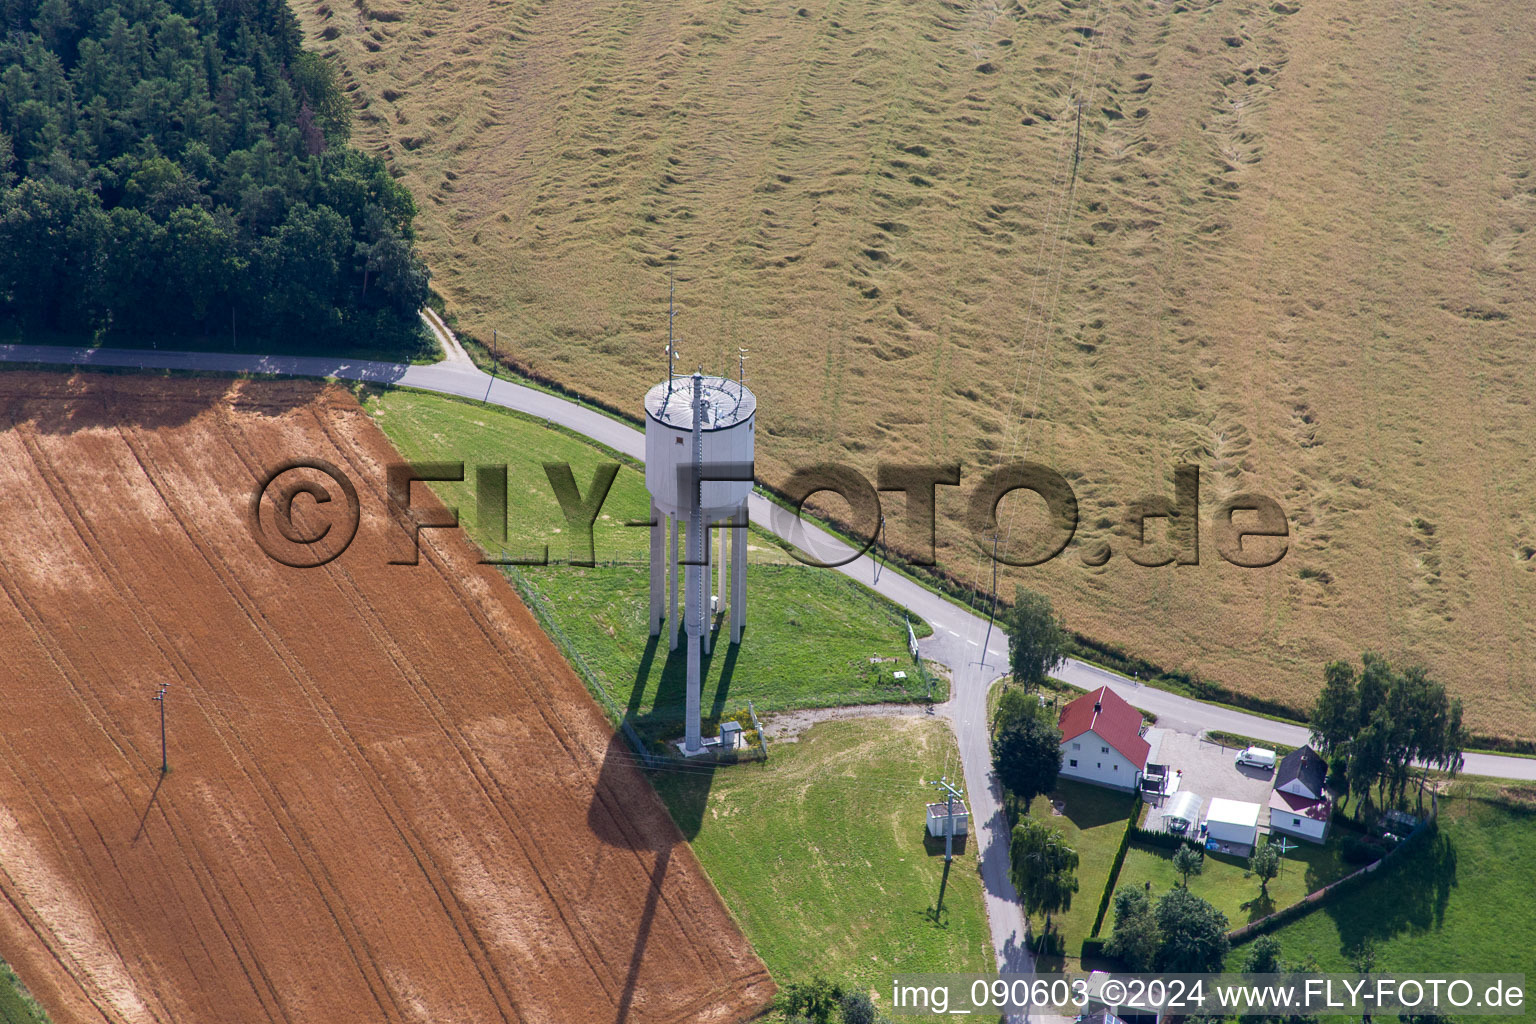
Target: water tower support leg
[
  {"x": 672, "y": 620},
  {"x": 739, "y": 577},
  {"x": 725, "y": 553},
  {"x": 658, "y": 574}
]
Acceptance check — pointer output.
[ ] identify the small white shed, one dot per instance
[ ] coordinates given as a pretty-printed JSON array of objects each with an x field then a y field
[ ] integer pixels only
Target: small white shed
[
  {"x": 939, "y": 811},
  {"x": 1233, "y": 822}
]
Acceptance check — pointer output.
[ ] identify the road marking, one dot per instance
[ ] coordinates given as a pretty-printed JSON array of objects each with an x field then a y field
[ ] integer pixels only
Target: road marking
[{"x": 973, "y": 643}]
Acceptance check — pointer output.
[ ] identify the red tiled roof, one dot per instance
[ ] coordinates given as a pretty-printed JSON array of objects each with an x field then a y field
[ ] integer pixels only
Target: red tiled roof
[
  {"x": 1110, "y": 718},
  {"x": 1280, "y": 800}
]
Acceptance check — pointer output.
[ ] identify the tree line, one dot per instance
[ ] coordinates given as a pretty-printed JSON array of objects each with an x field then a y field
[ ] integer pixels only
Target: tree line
[
  {"x": 1377, "y": 725},
  {"x": 182, "y": 167}
]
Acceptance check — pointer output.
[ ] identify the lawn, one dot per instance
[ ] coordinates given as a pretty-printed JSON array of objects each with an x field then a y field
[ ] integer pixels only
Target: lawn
[
  {"x": 820, "y": 853},
  {"x": 1226, "y": 883},
  {"x": 16, "y": 1005},
  {"x": 810, "y": 632},
  {"x": 1092, "y": 821},
  {"x": 1460, "y": 902},
  {"x": 809, "y": 637}
]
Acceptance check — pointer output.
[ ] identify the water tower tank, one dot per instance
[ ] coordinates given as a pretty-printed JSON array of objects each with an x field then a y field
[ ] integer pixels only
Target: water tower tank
[{"x": 728, "y": 425}]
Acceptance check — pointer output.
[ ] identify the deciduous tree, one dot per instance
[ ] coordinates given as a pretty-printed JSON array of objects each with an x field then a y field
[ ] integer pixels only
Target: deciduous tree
[{"x": 1035, "y": 637}]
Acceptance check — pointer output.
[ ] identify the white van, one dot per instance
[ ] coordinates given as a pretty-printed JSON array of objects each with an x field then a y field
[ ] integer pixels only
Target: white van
[{"x": 1257, "y": 757}]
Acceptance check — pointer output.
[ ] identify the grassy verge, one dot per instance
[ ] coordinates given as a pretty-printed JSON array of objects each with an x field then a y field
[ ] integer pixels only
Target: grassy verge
[
  {"x": 820, "y": 853},
  {"x": 1232, "y": 739},
  {"x": 1092, "y": 821},
  {"x": 420, "y": 347},
  {"x": 1227, "y": 884},
  {"x": 1458, "y": 902}
]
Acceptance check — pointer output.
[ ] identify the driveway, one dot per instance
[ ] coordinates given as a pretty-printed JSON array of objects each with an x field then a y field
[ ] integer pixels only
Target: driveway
[{"x": 1208, "y": 769}]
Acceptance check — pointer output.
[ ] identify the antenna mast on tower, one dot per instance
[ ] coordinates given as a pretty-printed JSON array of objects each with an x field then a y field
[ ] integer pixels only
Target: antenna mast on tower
[{"x": 671, "y": 315}]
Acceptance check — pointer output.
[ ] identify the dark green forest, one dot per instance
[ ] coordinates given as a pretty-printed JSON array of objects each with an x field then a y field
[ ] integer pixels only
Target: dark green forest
[{"x": 182, "y": 168}]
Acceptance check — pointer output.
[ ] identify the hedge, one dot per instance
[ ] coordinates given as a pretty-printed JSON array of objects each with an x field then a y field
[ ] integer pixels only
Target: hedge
[
  {"x": 1162, "y": 840},
  {"x": 1114, "y": 868}
]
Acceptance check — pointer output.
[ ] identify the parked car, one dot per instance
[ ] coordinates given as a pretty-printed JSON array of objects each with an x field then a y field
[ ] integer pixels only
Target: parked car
[{"x": 1257, "y": 757}]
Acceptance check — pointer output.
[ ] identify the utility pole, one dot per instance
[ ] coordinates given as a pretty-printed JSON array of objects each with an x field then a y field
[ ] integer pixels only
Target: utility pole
[
  {"x": 949, "y": 835},
  {"x": 495, "y": 351},
  {"x": 993, "y": 613},
  {"x": 159, "y": 698}
]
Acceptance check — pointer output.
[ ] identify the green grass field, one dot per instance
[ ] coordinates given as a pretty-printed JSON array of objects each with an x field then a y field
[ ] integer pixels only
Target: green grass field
[
  {"x": 1460, "y": 902},
  {"x": 810, "y": 632},
  {"x": 808, "y": 641},
  {"x": 1092, "y": 821},
  {"x": 820, "y": 854},
  {"x": 16, "y": 1005},
  {"x": 1226, "y": 883}
]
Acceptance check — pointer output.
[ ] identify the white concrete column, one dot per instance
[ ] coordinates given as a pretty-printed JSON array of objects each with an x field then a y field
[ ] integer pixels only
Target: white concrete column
[
  {"x": 726, "y": 539},
  {"x": 672, "y": 620},
  {"x": 658, "y": 570},
  {"x": 739, "y": 577},
  {"x": 707, "y": 574}
]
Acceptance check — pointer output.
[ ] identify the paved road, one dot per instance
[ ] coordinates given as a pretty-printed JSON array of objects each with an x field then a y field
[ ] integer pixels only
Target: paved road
[{"x": 957, "y": 641}]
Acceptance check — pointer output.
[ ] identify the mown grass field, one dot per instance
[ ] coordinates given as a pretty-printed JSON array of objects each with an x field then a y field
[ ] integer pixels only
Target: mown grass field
[
  {"x": 1461, "y": 902},
  {"x": 820, "y": 854},
  {"x": 810, "y": 632},
  {"x": 808, "y": 642},
  {"x": 1288, "y": 242},
  {"x": 16, "y": 1006},
  {"x": 1227, "y": 884}
]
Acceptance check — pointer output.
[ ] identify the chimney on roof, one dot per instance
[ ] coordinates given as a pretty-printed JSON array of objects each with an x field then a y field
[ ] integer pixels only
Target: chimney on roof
[{"x": 1097, "y": 707}]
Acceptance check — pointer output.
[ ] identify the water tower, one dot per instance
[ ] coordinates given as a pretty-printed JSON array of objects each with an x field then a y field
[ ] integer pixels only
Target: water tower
[{"x": 694, "y": 422}]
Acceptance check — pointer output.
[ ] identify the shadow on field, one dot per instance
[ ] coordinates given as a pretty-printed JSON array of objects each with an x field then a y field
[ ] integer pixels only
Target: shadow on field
[
  {"x": 664, "y": 719},
  {"x": 1410, "y": 895},
  {"x": 159, "y": 781},
  {"x": 625, "y": 813}
]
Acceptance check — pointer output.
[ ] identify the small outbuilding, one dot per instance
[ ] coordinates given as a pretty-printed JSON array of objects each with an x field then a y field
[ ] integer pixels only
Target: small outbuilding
[
  {"x": 1232, "y": 823},
  {"x": 937, "y": 813}
]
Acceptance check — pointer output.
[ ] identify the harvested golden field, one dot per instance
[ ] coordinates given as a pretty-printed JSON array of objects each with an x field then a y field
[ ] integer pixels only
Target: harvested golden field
[
  {"x": 1290, "y": 246},
  {"x": 390, "y": 799}
]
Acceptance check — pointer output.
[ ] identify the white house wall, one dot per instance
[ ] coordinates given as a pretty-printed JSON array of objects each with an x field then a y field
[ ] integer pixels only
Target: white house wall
[{"x": 1097, "y": 762}]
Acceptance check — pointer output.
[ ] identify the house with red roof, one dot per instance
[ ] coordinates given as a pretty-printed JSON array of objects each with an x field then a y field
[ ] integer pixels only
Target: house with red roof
[{"x": 1101, "y": 741}]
